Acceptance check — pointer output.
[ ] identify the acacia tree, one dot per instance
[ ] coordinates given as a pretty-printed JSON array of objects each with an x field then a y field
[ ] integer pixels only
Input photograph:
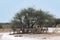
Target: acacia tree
[{"x": 29, "y": 17}]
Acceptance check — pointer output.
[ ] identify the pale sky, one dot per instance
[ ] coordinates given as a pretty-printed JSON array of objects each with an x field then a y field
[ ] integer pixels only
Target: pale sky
[{"x": 8, "y": 8}]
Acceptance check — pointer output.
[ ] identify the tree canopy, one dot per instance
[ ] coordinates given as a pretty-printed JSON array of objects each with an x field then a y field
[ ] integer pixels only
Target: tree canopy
[{"x": 30, "y": 16}]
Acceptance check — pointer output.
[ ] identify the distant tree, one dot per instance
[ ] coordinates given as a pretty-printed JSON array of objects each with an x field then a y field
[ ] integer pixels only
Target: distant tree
[
  {"x": 57, "y": 21},
  {"x": 0, "y": 26}
]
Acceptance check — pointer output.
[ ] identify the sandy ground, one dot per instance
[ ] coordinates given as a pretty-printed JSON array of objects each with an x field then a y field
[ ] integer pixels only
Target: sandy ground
[
  {"x": 38, "y": 35},
  {"x": 6, "y": 36}
]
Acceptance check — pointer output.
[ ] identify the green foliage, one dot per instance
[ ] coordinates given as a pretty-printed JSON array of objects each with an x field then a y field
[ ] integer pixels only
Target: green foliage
[{"x": 29, "y": 17}]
